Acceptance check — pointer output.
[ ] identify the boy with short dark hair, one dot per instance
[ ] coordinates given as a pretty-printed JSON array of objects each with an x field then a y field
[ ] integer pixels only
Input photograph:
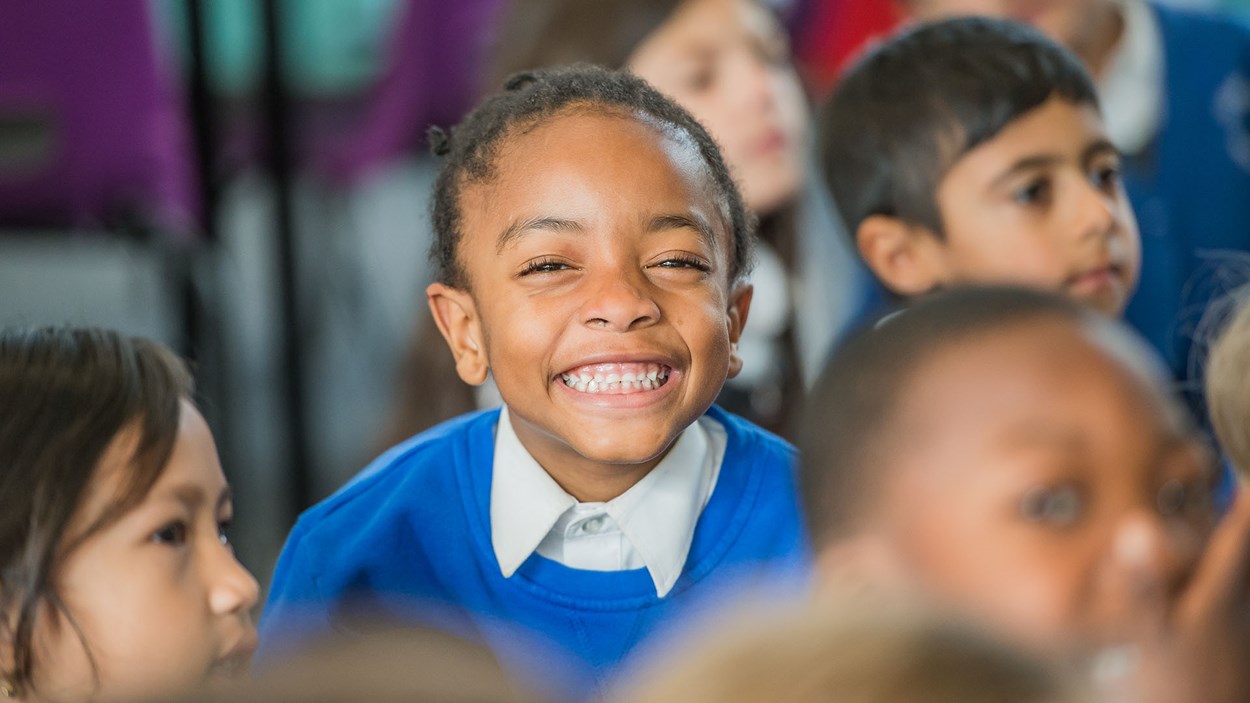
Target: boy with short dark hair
[
  {"x": 1014, "y": 458},
  {"x": 973, "y": 151},
  {"x": 1172, "y": 83}
]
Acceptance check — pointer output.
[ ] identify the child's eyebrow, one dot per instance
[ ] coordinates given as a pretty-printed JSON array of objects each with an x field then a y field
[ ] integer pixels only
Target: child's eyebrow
[
  {"x": 659, "y": 223},
  {"x": 1096, "y": 148},
  {"x": 701, "y": 227},
  {"x": 518, "y": 229}
]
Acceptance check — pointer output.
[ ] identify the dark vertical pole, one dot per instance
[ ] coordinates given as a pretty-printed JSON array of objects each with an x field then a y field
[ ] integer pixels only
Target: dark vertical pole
[
  {"x": 203, "y": 122},
  {"x": 279, "y": 129},
  {"x": 204, "y": 346}
]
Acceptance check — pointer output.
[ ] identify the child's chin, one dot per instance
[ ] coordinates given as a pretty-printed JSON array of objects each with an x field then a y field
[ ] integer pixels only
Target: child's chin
[{"x": 622, "y": 450}]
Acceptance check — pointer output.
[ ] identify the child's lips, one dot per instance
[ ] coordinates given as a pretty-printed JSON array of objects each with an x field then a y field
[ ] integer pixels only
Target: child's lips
[
  {"x": 1095, "y": 279},
  {"x": 236, "y": 662}
]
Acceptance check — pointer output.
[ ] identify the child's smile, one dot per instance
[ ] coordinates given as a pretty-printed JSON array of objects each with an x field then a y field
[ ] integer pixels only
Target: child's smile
[
  {"x": 608, "y": 378},
  {"x": 599, "y": 260}
]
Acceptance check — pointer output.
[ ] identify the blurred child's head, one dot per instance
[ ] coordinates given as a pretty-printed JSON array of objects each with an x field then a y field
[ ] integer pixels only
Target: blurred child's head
[
  {"x": 973, "y": 151},
  {"x": 1012, "y": 456},
  {"x": 862, "y": 655},
  {"x": 380, "y": 666},
  {"x": 726, "y": 61},
  {"x": 591, "y": 248},
  {"x": 1228, "y": 385},
  {"x": 1077, "y": 24},
  {"x": 116, "y": 580}
]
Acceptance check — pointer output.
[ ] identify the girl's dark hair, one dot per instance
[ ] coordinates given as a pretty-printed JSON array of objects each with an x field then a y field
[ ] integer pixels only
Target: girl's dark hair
[
  {"x": 910, "y": 108},
  {"x": 65, "y": 394},
  {"x": 471, "y": 148}
]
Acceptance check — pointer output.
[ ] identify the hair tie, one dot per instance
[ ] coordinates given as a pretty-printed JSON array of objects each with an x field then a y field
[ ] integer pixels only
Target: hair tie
[
  {"x": 519, "y": 80},
  {"x": 439, "y": 139}
]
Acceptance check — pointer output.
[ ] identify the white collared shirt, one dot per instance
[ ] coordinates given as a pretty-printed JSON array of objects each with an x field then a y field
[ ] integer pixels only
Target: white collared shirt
[
  {"x": 650, "y": 525},
  {"x": 1131, "y": 85}
]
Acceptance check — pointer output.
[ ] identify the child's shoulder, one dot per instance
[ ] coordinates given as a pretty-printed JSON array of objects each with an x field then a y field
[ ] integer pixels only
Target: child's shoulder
[{"x": 423, "y": 472}]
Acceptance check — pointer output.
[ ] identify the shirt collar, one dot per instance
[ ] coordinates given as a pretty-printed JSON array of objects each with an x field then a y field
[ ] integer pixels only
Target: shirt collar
[
  {"x": 1131, "y": 85},
  {"x": 658, "y": 514}
]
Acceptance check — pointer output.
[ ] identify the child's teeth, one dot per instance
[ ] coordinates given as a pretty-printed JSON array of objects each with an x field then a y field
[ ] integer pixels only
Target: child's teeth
[{"x": 637, "y": 379}]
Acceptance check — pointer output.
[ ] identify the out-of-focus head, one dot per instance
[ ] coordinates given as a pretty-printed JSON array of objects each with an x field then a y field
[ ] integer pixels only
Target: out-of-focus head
[
  {"x": 972, "y": 151},
  {"x": 1009, "y": 455},
  {"x": 726, "y": 61},
  {"x": 1073, "y": 23},
  {"x": 381, "y": 666},
  {"x": 1228, "y": 384},
  {"x": 860, "y": 655}
]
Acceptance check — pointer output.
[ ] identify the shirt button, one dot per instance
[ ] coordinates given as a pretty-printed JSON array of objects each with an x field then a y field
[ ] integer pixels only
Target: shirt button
[{"x": 593, "y": 525}]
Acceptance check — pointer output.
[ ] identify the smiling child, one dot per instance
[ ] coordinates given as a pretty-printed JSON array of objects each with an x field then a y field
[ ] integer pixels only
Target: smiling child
[{"x": 592, "y": 251}]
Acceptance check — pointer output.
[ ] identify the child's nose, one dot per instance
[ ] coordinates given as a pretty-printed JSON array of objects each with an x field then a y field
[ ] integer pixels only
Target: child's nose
[
  {"x": 1097, "y": 212},
  {"x": 232, "y": 589},
  {"x": 1155, "y": 556},
  {"x": 620, "y": 305}
]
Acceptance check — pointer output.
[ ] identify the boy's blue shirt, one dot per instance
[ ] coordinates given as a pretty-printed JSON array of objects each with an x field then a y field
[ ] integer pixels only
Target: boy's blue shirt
[
  {"x": 1190, "y": 187},
  {"x": 409, "y": 538}
]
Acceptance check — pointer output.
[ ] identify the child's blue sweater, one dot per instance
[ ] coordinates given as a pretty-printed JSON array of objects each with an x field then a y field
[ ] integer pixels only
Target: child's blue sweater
[
  {"x": 1191, "y": 186},
  {"x": 411, "y": 533}
]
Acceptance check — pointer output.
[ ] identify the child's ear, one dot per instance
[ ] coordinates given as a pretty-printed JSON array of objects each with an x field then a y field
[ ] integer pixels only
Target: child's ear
[
  {"x": 906, "y": 258},
  {"x": 860, "y": 566},
  {"x": 455, "y": 313},
  {"x": 739, "y": 306}
]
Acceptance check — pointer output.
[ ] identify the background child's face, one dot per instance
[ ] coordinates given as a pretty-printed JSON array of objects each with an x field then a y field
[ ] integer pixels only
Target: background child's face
[
  {"x": 1040, "y": 204},
  {"x": 728, "y": 63},
  {"x": 1036, "y": 480},
  {"x": 1065, "y": 21},
  {"x": 160, "y": 599},
  {"x": 598, "y": 257}
]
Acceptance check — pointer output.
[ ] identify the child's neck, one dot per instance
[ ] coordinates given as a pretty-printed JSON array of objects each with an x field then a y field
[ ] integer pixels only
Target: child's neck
[{"x": 587, "y": 480}]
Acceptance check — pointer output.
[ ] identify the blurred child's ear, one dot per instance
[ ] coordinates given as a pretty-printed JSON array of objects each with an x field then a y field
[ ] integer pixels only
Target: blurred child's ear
[
  {"x": 860, "y": 566},
  {"x": 739, "y": 306},
  {"x": 455, "y": 313},
  {"x": 904, "y": 257}
]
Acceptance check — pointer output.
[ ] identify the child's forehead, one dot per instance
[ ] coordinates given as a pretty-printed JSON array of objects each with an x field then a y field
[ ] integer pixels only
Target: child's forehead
[
  {"x": 1044, "y": 371},
  {"x": 598, "y": 148},
  {"x": 1055, "y": 127}
]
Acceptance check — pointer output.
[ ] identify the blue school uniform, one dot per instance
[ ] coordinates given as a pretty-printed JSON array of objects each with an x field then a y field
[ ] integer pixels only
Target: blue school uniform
[
  {"x": 410, "y": 536},
  {"x": 1190, "y": 186}
]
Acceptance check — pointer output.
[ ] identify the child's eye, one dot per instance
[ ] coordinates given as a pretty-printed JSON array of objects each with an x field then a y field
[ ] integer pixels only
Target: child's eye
[
  {"x": 1033, "y": 193},
  {"x": 1059, "y": 507},
  {"x": 1107, "y": 177},
  {"x": 684, "y": 262},
  {"x": 1178, "y": 498},
  {"x": 223, "y": 531},
  {"x": 700, "y": 80},
  {"x": 175, "y": 533},
  {"x": 543, "y": 266}
]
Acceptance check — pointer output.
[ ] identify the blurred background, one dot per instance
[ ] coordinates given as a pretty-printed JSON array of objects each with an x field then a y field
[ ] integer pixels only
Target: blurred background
[{"x": 246, "y": 181}]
